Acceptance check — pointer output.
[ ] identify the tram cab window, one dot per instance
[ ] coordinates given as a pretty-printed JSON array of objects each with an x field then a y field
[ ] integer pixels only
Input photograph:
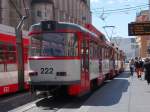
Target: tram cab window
[{"x": 54, "y": 44}]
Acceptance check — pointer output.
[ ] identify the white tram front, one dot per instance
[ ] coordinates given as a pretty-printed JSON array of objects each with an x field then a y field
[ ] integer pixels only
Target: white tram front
[{"x": 54, "y": 60}]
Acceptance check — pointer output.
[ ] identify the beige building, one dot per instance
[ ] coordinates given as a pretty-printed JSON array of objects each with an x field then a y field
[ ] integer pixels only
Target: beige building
[
  {"x": 143, "y": 41},
  {"x": 74, "y": 11}
]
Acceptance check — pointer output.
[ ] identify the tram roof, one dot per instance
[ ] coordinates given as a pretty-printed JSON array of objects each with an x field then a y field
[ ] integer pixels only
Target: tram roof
[{"x": 63, "y": 26}]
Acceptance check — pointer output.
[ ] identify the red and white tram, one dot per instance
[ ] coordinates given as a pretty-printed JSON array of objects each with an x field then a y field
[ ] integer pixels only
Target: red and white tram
[
  {"x": 8, "y": 60},
  {"x": 69, "y": 57}
]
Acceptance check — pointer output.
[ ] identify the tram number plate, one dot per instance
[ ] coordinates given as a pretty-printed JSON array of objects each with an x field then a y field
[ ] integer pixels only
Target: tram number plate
[{"x": 46, "y": 70}]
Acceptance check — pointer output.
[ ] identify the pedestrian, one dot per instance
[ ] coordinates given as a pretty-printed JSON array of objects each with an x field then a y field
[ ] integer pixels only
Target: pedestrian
[
  {"x": 141, "y": 67},
  {"x": 147, "y": 70},
  {"x": 131, "y": 65},
  {"x": 137, "y": 67}
]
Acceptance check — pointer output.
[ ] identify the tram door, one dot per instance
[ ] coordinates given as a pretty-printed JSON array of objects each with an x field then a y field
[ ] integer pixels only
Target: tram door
[{"x": 85, "y": 83}]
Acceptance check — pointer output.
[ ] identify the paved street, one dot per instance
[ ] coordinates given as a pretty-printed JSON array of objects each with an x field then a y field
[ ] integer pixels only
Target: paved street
[{"x": 123, "y": 94}]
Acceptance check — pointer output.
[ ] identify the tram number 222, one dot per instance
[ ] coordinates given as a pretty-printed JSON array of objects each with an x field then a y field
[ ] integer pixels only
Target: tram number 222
[{"x": 47, "y": 70}]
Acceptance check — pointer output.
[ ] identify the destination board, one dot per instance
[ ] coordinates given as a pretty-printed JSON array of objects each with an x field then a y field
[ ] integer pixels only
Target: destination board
[{"x": 138, "y": 29}]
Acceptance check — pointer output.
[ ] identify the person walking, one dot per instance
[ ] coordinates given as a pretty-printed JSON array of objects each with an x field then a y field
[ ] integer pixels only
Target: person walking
[
  {"x": 141, "y": 67},
  {"x": 147, "y": 70},
  {"x": 137, "y": 67},
  {"x": 131, "y": 65}
]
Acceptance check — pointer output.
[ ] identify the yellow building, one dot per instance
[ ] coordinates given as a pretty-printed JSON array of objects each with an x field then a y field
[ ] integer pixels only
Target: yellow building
[{"x": 143, "y": 41}]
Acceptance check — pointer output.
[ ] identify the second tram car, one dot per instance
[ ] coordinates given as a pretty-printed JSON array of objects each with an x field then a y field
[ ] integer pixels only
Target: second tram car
[
  {"x": 8, "y": 61},
  {"x": 68, "y": 57}
]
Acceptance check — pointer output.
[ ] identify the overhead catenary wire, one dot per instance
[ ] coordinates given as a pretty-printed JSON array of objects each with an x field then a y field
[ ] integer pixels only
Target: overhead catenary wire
[
  {"x": 16, "y": 9},
  {"x": 26, "y": 10},
  {"x": 126, "y": 9},
  {"x": 122, "y": 8}
]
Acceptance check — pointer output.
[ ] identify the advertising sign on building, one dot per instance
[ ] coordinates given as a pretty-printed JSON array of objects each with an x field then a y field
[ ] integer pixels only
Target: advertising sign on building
[{"x": 138, "y": 29}]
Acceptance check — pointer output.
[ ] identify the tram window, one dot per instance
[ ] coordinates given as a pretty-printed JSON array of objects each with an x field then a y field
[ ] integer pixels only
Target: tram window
[
  {"x": 11, "y": 58},
  {"x": 91, "y": 50},
  {"x": 39, "y": 13},
  {"x": 25, "y": 54},
  {"x": 11, "y": 54},
  {"x": 96, "y": 51},
  {"x": 100, "y": 53},
  {"x": 2, "y": 58},
  {"x": 1, "y": 67},
  {"x": 2, "y": 54},
  {"x": 107, "y": 55},
  {"x": 11, "y": 67},
  {"x": 103, "y": 53},
  {"x": 71, "y": 45}
]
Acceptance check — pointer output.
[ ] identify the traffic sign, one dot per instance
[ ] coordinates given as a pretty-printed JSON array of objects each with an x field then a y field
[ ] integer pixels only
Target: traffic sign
[{"x": 138, "y": 29}]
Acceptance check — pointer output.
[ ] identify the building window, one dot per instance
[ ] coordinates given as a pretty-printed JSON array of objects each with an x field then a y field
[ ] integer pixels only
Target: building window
[
  {"x": 39, "y": 13},
  {"x": 133, "y": 40},
  {"x": 45, "y": 14}
]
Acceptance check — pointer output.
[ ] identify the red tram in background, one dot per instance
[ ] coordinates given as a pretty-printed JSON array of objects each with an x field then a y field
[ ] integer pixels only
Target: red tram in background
[
  {"x": 8, "y": 60},
  {"x": 67, "y": 57}
]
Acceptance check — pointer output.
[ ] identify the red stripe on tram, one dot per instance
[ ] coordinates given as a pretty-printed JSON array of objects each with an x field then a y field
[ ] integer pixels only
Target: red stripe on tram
[{"x": 54, "y": 58}]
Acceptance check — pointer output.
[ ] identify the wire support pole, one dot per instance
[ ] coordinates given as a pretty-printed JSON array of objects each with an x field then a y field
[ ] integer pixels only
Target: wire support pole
[
  {"x": 19, "y": 44},
  {"x": 20, "y": 55},
  {"x": 149, "y": 10}
]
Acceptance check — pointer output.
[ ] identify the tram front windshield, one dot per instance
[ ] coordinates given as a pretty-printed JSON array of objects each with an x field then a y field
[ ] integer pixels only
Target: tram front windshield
[{"x": 54, "y": 44}]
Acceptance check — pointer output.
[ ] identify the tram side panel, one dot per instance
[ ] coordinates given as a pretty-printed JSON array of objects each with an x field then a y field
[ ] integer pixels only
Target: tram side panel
[{"x": 8, "y": 66}]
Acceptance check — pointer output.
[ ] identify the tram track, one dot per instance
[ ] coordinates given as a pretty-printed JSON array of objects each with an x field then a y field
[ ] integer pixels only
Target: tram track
[
  {"x": 44, "y": 104},
  {"x": 52, "y": 104}
]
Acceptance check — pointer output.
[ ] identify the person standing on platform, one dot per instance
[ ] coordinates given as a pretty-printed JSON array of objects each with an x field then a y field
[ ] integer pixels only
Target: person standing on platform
[
  {"x": 141, "y": 69},
  {"x": 137, "y": 67},
  {"x": 147, "y": 70},
  {"x": 131, "y": 65}
]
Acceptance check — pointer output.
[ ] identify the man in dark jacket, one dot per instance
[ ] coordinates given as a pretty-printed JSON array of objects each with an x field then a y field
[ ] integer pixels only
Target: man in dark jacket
[
  {"x": 147, "y": 70},
  {"x": 137, "y": 67}
]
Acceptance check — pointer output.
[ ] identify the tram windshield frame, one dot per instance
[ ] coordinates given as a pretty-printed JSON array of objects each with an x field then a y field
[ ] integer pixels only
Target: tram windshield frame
[{"x": 53, "y": 44}]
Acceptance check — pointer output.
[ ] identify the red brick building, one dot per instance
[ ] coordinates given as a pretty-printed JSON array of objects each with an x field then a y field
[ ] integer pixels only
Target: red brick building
[{"x": 143, "y": 41}]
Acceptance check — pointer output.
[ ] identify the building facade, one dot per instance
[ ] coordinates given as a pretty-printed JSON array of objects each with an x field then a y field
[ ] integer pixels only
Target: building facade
[
  {"x": 143, "y": 41},
  {"x": 74, "y": 11}
]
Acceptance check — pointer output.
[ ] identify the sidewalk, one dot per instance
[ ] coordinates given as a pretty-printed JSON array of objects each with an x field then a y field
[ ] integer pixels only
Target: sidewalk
[
  {"x": 140, "y": 95},
  {"x": 123, "y": 94}
]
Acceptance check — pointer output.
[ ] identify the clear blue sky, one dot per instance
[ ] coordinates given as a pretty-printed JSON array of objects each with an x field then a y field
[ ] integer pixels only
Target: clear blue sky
[{"x": 120, "y": 19}]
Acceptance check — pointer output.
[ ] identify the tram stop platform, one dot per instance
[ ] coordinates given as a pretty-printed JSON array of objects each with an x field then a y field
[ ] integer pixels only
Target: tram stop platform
[
  {"x": 124, "y": 93},
  {"x": 139, "y": 94}
]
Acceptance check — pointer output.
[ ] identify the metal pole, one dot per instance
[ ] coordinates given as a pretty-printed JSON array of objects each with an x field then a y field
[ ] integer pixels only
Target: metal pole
[
  {"x": 149, "y": 9},
  {"x": 20, "y": 56}
]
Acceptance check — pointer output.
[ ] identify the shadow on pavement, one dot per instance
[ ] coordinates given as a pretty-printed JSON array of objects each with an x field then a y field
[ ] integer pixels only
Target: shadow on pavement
[
  {"x": 109, "y": 94},
  {"x": 15, "y": 100},
  {"x": 52, "y": 103}
]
